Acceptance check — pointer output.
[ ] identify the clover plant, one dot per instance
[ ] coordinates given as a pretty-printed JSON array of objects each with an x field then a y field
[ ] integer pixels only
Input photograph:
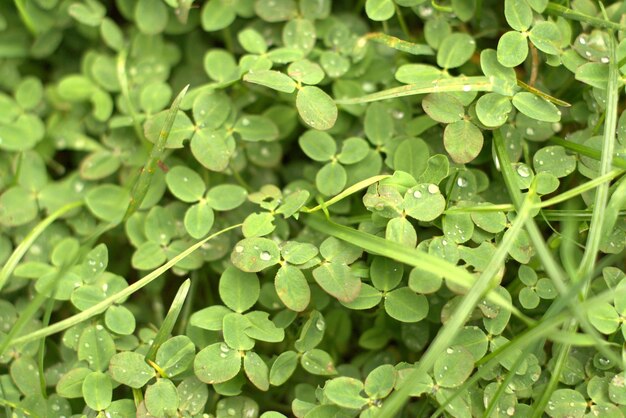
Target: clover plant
[{"x": 312, "y": 208}]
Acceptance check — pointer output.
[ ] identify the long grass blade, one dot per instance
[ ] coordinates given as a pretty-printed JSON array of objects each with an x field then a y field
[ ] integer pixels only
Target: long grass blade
[
  {"x": 21, "y": 249},
  {"x": 101, "y": 306},
  {"x": 142, "y": 184}
]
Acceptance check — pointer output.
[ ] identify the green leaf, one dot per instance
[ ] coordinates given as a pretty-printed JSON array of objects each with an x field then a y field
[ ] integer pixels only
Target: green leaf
[
  {"x": 405, "y": 305},
  {"x": 566, "y": 402},
  {"x": 217, "y": 363},
  {"x": 594, "y": 74},
  {"x": 17, "y": 207},
  {"x": 400, "y": 230},
  {"x": 272, "y": 79},
  {"x": 536, "y": 107},
  {"x": 216, "y": 15},
  {"x": 318, "y": 362},
  {"x": 312, "y": 332},
  {"x": 379, "y": 10},
  {"x": 553, "y": 159},
  {"x": 493, "y": 109},
  {"x": 261, "y": 328},
  {"x": 491, "y": 66},
  {"x": 258, "y": 225},
  {"x": 331, "y": 179},
  {"x": 453, "y": 367},
  {"x": 175, "y": 355},
  {"x": 276, "y": 10},
  {"x": 226, "y": 197},
  {"x": 292, "y": 288},
  {"x": 199, "y": 219},
  {"x": 338, "y": 280},
  {"x": 185, "y": 183},
  {"x": 238, "y": 290},
  {"x": 518, "y": 14},
  {"x": 512, "y": 49},
  {"x": 150, "y": 17},
  {"x": 424, "y": 202},
  {"x": 353, "y": 150},
  {"x": 380, "y": 381},
  {"x": 97, "y": 391},
  {"x": 130, "y": 369},
  {"x": 345, "y": 392},
  {"x": 299, "y": 34},
  {"x": 317, "y": 145},
  {"x": 119, "y": 320},
  {"x": 211, "y": 109},
  {"x": 108, "y": 202},
  {"x": 220, "y": 65},
  {"x": 255, "y": 254},
  {"x": 368, "y": 297},
  {"x": 212, "y": 149},
  {"x": 411, "y": 155},
  {"x": 256, "y": 128},
  {"x": 604, "y": 318},
  {"x": 306, "y": 72},
  {"x": 385, "y": 273},
  {"x": 210, "y": 318},
  {"x": 70, "y": 385},
  {"x": 378, "y": 123},
  {"x": 316, "y": 108},
  {"x": 90, "y": 13},
  {"x": 96, "y": 346},
  {"x": 283, "y": 367},
  {"x": 256, "y": 370},
  {"x": 546, "y": 36},
  {"x": 161, "y": 398},
  {"x": 443, "y": 107},
  {"x": 455, "y": 50},
  {"x": 298, "y": 252},
  {"x": 193, "y": 395},
  {"x": 252, "y": 41},
  {"x": 463, "y": 141}
]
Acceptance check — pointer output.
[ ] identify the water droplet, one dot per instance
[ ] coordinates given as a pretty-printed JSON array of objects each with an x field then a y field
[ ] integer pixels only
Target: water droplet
[
  {"x": 320, "y": 324},
  {"x": 265, "y": 256},
  {"x": 449, "y": 350},
  {"x": 461, "y": 182},
  {"x": 467, "y": 87},
  {"x": 223, "y": 355},
  {"x": 55, "y": 407},
  {"x": 433, "y": 188},
  {"x": 604, "y": 60},
  {"x": 582, "y": 41},
  {"x": 417, "y": 194},
  {"x": 224, "y": 348},
  {"x": 530, "y": 131},
  {"x": 523, "y": 171},
  {"x": 510, "y": 411},
  {"x": 231, "y": 411},
  {"x": 239, "y": 249},
  {"x": 245, "y": 121},
  {"x": 587, "y": 54}
]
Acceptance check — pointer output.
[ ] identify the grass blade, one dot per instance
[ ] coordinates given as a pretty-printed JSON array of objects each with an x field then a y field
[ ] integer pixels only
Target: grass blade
[
  {"x": 21, "y": 249},
  {"x": 140, "y": 188},
  {"x": 170, "y": 320},
  {"x": 101, "y": 306}
]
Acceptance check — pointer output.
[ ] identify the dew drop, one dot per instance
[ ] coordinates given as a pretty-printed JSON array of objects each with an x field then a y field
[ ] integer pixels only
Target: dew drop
[
  {"x": 417, "y": 194},
  {"x": 449, "y": 350},
  {"x": 510, "y": 411},
  {"x": 467, "y": 87},
  {"x": 604, "y": 60},
  {"x": 461, "y": 182},
  {"x": 224, "y": 348},
  {"x": 239, "y": 249},
  {"x": 265, "y": 256},
  {"x": 320, "y": 325},
  {"x": 231, "y": 411},
  {"x": 433, "y": 188},
  {"x": 530, "y": 131},
  {"x": 523, "y": 171}
]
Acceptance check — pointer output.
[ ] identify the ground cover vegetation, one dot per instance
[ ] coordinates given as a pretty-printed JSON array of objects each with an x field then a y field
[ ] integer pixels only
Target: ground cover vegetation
[{"x": 312, "y": 208}]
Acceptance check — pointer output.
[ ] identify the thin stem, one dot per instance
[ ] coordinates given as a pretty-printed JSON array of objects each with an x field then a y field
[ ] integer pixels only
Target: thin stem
[
  {"x": 21, "y": 249},
  {"x": 101, "y": 306}
]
